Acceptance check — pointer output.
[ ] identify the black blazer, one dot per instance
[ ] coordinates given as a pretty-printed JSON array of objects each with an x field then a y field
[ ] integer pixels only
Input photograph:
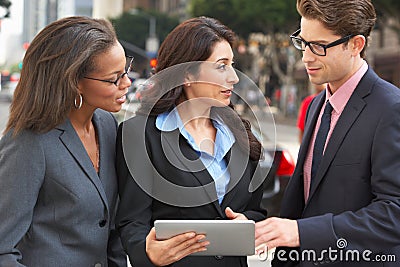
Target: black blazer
[
  {"x": 356, "y": 191},
  {"x": 152, "y": 165}
]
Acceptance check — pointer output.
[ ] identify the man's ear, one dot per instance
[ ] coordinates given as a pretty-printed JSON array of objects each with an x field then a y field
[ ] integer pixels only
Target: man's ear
[{"x": 358, "y": 44}]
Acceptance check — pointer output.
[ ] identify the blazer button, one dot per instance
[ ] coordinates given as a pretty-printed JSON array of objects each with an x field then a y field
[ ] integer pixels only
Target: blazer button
[
  {"x": 103, "y": 223},
  {"x": 97, "y": 265},
  {"x": 219, "y": 257}
]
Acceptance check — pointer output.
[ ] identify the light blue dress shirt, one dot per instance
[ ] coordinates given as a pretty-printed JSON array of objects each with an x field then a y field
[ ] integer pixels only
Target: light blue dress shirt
[{"x": 215, "y": 164}]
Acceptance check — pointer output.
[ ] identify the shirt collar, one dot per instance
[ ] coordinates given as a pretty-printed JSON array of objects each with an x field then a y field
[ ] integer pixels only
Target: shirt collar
[
  {"x": 340, "y": 98},
  {"x": 170, "y": 121}
]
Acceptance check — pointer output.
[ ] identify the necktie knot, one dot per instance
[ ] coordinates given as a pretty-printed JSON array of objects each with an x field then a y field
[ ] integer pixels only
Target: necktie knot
[{"x": 328, "y": 108}]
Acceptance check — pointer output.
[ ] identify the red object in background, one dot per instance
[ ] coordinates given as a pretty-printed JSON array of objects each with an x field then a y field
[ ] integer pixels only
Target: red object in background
[
  {"x": 14, "y": 77},
  {"x": 153, "y": 62},
  {"x": 286, "y": 165},
  {"x": 25, "y": 46},
  {"x": 5, "y": 72}
]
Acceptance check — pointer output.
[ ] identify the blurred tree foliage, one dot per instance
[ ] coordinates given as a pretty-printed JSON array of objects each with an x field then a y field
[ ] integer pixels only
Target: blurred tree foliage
[
  {"x": 271, "y": 16},
  {"x": 247, "y": 16},
  {"x": 5, "y": 4},
  {"x": 134, "y": 28}
]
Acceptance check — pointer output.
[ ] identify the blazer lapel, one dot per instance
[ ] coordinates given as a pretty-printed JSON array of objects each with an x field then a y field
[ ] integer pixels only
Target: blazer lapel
[
  {"x": 349, "y": 115},
  {"x": 74, "y": 145},
  {"x": 183, "y": 157},
  {"x": 104, "y": 156},
  {"x": 237, "y": 166}
]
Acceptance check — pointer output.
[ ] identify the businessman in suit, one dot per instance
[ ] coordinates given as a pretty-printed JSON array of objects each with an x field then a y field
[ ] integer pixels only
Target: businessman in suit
[
  {"x": 346, "y": 197},
  {"x": 58, "y": 184}
]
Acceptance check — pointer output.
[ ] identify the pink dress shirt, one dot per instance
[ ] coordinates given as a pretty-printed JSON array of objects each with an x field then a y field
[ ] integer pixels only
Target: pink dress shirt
[{"x": 338, "y": 101}]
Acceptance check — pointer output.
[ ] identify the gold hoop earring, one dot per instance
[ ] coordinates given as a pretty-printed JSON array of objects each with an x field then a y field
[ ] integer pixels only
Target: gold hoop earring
[{"x": 78, "y": 106}]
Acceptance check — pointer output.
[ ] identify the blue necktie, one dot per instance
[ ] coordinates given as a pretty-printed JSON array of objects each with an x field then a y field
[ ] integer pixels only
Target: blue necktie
[{"x": 321, "y": 139}]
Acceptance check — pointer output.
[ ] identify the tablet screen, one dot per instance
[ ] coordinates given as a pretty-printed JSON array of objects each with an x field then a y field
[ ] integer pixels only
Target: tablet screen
[{"x": 226, "y": 237}]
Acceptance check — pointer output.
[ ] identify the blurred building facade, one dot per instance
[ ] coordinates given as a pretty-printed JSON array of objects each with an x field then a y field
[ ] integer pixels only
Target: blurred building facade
[
  {"x": 11, "y": 50},
  {"x": 28, "y": 17},
  {"x": 39, "y": 13},
  {"x": 384, "y": 53},
  {"x": 177, "y": 8},
  {"x": 107, "y": 9}
]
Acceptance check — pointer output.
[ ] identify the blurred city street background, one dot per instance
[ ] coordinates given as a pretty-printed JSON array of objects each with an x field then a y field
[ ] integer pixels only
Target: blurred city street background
[
  {"x": 263, "y": 51},
  {"x": 4, "y": 106}
]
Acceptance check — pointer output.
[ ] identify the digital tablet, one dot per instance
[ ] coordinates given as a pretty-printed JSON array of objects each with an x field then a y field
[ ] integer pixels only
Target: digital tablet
[{"x": 226, "y": 237}]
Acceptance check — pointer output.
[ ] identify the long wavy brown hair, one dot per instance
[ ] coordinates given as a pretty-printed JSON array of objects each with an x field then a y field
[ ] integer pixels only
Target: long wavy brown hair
[
  {"x": 58, "y": 57},
  {"x": 194, "y": 41}
]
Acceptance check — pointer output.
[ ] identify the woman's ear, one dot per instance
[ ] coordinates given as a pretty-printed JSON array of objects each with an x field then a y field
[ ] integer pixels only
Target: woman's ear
[
  {"x": 80, "y": 86},
  {"x": 188, "y": 79}
]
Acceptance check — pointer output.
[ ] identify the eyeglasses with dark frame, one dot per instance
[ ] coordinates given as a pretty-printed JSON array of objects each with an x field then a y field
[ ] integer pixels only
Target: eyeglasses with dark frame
[
  {"x": 316, "y": 48},
  {"x": 118, "y": 80}
]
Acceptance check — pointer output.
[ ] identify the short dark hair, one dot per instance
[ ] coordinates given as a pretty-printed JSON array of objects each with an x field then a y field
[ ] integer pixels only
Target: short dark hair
[{"x": 341, "y": 17}]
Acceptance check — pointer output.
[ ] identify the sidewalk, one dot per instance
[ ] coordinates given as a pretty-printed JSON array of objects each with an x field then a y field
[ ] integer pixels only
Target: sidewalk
[{"x": 280, "y": 118}]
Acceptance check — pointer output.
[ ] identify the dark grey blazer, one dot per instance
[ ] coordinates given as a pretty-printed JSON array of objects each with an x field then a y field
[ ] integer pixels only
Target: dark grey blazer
[
  {"x": 356, "y": 192},
  {"x": 55, "y": 209}
]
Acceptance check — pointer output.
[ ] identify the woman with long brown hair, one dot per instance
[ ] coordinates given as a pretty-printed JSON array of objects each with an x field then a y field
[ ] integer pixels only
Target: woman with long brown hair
[{"x": 187, "y": 154}]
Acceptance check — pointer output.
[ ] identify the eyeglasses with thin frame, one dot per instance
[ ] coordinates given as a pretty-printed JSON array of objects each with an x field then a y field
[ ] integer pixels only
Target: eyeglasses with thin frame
[
  {"x": 118, "y": 80},
  {"x": 316, "y": 48}
]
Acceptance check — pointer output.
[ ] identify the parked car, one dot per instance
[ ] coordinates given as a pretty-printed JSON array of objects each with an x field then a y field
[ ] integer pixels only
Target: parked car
[
  {"x": 134, "y": 91},
  {"x": 8, "y": 86},
  {"x": 278, "y": 166},
  {"x": 280, "y": 171},
  {"x": 7, "y": 90}
]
